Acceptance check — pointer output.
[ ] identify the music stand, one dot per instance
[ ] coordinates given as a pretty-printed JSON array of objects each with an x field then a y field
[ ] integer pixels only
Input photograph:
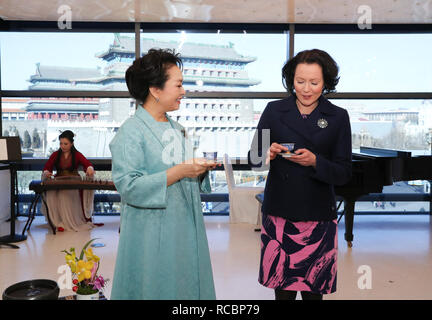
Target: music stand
[{"x": 10, "y": 153}]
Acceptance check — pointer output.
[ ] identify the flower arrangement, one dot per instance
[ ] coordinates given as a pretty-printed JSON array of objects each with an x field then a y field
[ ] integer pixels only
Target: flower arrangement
[{"x": 85, "y": 270}]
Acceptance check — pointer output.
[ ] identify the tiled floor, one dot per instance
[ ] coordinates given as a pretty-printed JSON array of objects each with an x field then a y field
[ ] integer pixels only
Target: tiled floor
[{"x": 395, "y": 249}]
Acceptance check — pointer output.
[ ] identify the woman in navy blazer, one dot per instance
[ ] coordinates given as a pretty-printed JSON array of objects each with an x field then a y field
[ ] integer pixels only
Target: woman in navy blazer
[{"x": 299, "y": 231}]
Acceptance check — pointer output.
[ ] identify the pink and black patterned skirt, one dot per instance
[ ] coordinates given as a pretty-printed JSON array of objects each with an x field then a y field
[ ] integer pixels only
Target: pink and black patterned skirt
[{"x": 298, "y": 256}]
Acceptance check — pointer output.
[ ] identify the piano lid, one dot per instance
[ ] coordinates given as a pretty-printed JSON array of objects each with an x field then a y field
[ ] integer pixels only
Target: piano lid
[{"x": 384, "y": 153}]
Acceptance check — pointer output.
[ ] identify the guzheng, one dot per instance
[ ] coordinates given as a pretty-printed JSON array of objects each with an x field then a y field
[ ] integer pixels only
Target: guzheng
[
  {"x": 71, "y": 183},
  {"x": 62, "y": 183}
]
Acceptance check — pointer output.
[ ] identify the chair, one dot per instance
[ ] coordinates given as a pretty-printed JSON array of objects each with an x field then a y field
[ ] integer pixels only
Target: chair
[{"x": 243, "y": 206}]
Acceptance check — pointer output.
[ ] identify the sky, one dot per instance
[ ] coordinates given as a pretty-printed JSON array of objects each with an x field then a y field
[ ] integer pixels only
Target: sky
[{"x": 368, "y": 63}]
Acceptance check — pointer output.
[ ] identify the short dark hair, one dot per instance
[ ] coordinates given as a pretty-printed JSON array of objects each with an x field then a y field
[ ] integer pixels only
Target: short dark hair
[
  {"x": 329, "y": 68},
  {"x": 150, "y": 71}
]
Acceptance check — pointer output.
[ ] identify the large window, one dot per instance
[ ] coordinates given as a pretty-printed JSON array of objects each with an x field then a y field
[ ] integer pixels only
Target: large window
[
  {"x": 63, "y": 61},
  {"x": 70, "y": 62},
  {"x": 390, "y": 124},
  {"x": 376, "y": 62},
  {"x": 38, "y": 121},
  {"x": 243, "y": 68}
]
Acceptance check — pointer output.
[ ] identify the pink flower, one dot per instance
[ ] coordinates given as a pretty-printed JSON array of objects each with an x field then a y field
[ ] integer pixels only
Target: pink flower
[
  {"x": 99, "y": 283},
  {"x": 94, "y": 270}
]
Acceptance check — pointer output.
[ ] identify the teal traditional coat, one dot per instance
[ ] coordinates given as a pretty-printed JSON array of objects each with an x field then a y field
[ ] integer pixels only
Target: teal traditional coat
[{"x": 163, "y": 250}]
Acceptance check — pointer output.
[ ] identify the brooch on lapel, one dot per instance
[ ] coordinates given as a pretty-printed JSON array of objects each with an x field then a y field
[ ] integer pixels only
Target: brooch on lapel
[{"x": 322, "y": 123}]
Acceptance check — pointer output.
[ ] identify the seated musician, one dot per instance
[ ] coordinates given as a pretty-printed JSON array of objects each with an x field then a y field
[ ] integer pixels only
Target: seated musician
[{"x": 68, "y": 209}]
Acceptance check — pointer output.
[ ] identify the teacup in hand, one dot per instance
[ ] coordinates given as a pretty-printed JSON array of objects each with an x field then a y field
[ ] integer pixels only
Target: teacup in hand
[
  {"x": 290, "y": 147},
  {"x": 210, "y": 156}
]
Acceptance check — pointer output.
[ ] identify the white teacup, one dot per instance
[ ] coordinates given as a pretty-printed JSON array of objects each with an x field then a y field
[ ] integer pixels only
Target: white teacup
[{"x": 211, "y": 156}]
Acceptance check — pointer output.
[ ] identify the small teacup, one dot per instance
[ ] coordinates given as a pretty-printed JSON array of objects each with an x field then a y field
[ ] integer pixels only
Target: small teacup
[
  {"x": 289, "y": 145},
  {"x": 210, "y": 156}
]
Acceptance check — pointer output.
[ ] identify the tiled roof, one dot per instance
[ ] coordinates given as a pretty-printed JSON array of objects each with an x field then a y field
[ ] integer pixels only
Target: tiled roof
[
  {"x": 187, "y": 50},
  {"x": 64, "y": 73},
  {"x": 126, "y": 44}
]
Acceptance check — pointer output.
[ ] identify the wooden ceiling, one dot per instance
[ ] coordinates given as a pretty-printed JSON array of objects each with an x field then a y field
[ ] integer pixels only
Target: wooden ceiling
[{"x": 222, "y": 11}]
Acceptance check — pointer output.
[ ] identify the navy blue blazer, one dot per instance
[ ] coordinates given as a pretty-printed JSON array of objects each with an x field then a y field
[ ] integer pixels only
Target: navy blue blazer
[{"x": 296, "y": 192}]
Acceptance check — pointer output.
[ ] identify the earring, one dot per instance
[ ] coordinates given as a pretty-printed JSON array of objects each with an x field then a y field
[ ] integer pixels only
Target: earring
[{"x": 157, "y": 100}]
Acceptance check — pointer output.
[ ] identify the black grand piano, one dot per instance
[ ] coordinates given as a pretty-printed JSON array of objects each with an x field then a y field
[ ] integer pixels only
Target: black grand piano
[{"x": 374, "y": 168}]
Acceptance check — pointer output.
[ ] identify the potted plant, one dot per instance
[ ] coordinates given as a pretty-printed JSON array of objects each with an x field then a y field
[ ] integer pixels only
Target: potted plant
[{"x": 87, "y": 282}]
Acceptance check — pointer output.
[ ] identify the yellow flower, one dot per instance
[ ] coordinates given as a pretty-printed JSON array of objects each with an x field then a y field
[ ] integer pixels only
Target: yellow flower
[
  {"x": 90, "y": 256},
  {"x": 84, "y": 270},
  {"x": 70, "y": 257},
  {"x": 72, "y": 266},
  {"x": 71, "y": 261}
]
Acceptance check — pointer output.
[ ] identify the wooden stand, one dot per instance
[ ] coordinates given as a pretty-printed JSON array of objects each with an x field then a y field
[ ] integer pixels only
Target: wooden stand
[{"x": 12, "y": 237}]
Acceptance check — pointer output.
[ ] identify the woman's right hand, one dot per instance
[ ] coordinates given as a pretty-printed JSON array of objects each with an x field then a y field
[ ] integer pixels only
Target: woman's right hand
[
  {"x": 189, "y": 169},
  {"x": 47, "y": 174},
  {"x": 195, "y": 167},
  {"x": 274, "y": 149}
]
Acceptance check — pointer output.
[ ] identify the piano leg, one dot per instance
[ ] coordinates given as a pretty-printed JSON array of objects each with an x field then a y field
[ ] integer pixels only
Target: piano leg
[{"x": 349, "y": 221}]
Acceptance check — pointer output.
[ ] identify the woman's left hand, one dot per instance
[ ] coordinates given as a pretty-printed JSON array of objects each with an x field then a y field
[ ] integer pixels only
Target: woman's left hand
[
  {"x": 90, "y": 172},
  {"x": 210, "y": 164},
  {"x": 303, "y": 157}
]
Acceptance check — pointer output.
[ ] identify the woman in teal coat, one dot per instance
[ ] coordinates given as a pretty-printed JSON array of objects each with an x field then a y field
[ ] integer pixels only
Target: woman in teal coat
[{"x": 163, "y": 250}]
